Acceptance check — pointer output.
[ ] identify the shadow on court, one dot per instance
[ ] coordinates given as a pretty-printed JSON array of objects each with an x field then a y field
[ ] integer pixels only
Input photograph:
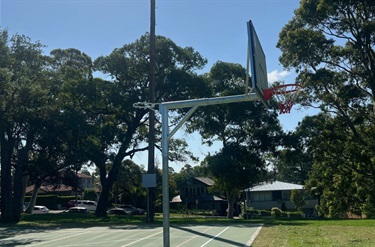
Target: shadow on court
[
  {"x": 10, "y": 235},
  {"x": 227, "y": 241},
  {"x": 9, "y": 232}
]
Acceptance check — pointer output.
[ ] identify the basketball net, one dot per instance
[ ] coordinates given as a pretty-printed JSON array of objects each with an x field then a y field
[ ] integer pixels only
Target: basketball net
[{"x": 285, "y": 95}]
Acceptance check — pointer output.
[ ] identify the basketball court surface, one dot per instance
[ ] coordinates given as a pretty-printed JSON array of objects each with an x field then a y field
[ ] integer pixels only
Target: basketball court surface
[{"x": 135, "y": 236}]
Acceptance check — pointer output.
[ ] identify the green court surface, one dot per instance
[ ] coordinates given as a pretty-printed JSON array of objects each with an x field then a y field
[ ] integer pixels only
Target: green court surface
[{"x": 135, "y": 236}]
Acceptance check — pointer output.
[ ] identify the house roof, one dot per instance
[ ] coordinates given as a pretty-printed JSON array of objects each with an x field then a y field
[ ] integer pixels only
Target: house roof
[
  {"x": 50, "y": 188},
  {"x": 275, "y": 185},
  {"x": 83, "y": 175},
  {"x": 205, "y": 198},
  {"x": 176, "y": 199},
  {"x": 208, "y": 198},
  {"x": 205, "y": 180}
]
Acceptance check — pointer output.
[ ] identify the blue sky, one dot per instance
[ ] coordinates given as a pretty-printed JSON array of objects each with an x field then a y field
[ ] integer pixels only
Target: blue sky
[{"x": 216, "y": 29}]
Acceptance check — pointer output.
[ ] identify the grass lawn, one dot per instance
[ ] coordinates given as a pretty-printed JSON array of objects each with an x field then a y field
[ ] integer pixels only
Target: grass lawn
[
  {"x": 275, "y": 232},
  {"x": 292, "y": 233}
]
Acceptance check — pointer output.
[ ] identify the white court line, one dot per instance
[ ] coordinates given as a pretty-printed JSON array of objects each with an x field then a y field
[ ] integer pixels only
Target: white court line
[
  {"x": 215, "y": 236},
  {"x": 193, "y": 237},
  {"x": 142, "y": 239},
  {"x": 251, "y": 240},
  {"x": 54, "y": 240}
]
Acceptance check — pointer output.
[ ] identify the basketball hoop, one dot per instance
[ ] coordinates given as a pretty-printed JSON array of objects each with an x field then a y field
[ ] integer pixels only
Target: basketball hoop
[{"x": 285, "y": 96}]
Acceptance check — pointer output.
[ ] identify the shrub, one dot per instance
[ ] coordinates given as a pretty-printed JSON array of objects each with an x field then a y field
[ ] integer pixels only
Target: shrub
[
  {"x": 253, "y": 212},
  {"x": 265, "y": 213},
  {"x": 276, "y": 212},
  {"x": 50, "y": 201},
  {"x": 90, "y": 195},
  {"x": 298, "y": 199}
]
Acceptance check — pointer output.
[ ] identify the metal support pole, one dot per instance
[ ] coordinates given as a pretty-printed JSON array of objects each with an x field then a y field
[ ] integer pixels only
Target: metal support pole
[
  {"x": 165, "y": 182},
  {"x": 163, "y": 109}
]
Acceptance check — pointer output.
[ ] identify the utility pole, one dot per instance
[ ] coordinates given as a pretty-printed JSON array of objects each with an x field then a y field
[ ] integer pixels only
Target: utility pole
[{"x": 151, "y": 136}]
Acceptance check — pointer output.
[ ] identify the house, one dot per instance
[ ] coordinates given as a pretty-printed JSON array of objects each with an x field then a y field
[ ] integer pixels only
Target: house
[
  {"x": 85, "y": 182},
  {"x": 195, "y": 195},
  {"x": 62, "y": 190},
  {"x": 276, "y": 194}
]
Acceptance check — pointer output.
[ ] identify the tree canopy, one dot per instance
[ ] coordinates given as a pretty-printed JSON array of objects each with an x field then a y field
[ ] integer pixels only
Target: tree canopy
[
  {"x": 247, "y": 132},
  {"x": 24, "y": 107},
  {"x": 331, "y": 45},
  {"x": 54, "y": 112}
]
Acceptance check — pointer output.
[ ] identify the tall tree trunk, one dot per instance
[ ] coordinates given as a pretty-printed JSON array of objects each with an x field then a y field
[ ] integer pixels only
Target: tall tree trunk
[
  {"x": 17, "y": 193},
  {"x": 34, "y": 196},
  {"x": 18, "y": 190},
  {"x": 107, "y": 183},
  {"x": 25, "y": 180},
  {"x": 231, "y": 198},
  {"x": 101, "y": 209},
  {"x": 6, "y": 150}
]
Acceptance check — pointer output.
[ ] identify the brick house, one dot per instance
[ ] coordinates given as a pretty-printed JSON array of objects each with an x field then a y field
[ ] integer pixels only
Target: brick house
[{"x": 85, "y": 182}]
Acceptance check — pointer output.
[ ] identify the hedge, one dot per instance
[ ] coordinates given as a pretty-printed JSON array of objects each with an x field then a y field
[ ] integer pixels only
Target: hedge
[{"x": 51, "y": 201}]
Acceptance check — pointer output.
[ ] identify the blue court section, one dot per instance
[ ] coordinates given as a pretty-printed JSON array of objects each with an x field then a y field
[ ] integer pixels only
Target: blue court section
[{"x": 135, "y": 236}]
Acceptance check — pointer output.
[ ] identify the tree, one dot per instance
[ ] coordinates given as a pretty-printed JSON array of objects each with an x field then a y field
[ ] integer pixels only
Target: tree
[
  {"x": 36, "y": 137},
  {"x": 340, "y": 176},
  {"x": 60, "y": 149},
  {"x": 128, "y": 185},
  {"x": 119, "y": 129},
  {"x": 298, "y": 200},
  {"x": 91, "y": 118},
  {"x": 293, "y": 161},
  {"x": 24, "y": 104},
  {"x": 336, "y": 73},
  {"x": 246, "y": 130},
  {"x": 233, "y": 169},
  {"x": 331, "y": 46},
  {"x": 187, "y": 172},
  {"x": 292, "y": 166}
]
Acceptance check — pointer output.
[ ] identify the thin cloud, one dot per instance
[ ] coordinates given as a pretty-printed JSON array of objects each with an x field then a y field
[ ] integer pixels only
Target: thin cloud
[{"x": 276, "y": 75}]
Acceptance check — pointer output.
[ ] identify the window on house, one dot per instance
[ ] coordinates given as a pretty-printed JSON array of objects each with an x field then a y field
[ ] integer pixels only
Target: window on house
[
  {"x": 286, "y": 195},
  {"x": 190, "y": 191},
  {"x": 277, "y": 195},
  {"x": 261, "y": 196}
]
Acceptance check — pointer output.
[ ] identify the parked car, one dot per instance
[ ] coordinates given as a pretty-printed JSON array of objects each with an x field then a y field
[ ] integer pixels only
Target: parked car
[
  {"x": 90, "y": 205},
  {"x": 77, "y": 210},
  {"x": 71, "y": 203},
  {"x": 132, "y": 209},
  {"x": 119, "y": 211},
  {"x": 40, "y": 210}
]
